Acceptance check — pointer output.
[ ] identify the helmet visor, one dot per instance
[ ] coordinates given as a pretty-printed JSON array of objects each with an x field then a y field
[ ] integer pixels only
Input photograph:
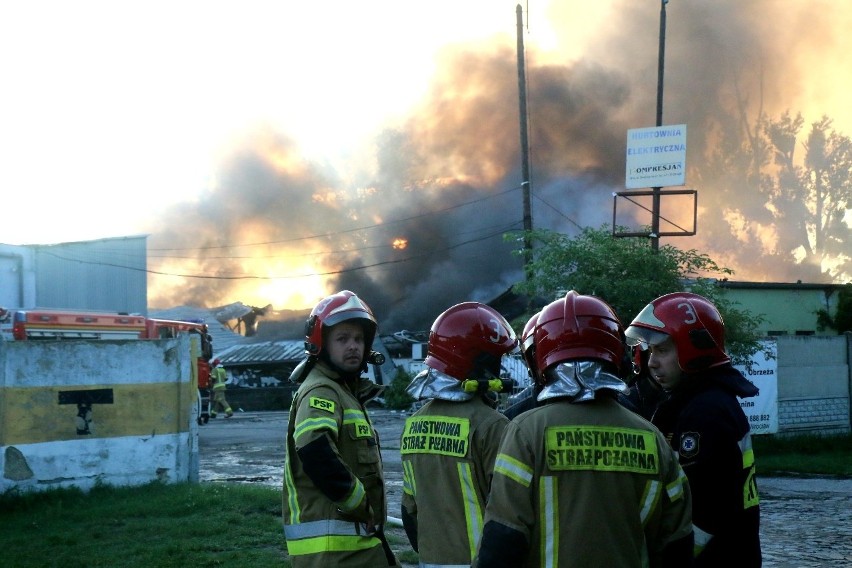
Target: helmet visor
[{"x": 643, "y": 337}]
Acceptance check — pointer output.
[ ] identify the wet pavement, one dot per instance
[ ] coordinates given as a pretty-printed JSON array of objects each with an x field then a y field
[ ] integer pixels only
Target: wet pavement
[{"x": 805, "y": 522}]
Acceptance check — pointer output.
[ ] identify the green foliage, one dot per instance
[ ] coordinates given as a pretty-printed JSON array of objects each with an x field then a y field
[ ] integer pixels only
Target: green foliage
[
  {"x": 239, "y": 525},
  {"x": 842, "y": 321},
  {"x": 395, "y": 396},
  {"x": 152, "y": 525},
  {"x": 628, "y": 274},
  {"x": 187, "y": 524},
  {"x": 804, "y": 454}
]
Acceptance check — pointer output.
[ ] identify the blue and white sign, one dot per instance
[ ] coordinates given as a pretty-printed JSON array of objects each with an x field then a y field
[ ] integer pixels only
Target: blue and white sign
[
  {"x": 656, "y": 156},
  {"x": 762, "y": 410}
]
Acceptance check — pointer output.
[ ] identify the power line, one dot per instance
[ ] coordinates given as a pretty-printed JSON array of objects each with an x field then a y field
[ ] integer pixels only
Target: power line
[
  {"x": 310, "y": 253},
  {"x": 345, "y": 231},
  {"x": 566, "y": 217},
  {"x": 255, "y": 277}
]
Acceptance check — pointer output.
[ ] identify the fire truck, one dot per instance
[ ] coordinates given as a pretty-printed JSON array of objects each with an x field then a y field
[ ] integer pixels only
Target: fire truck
[{"x": 59, "y": 324}]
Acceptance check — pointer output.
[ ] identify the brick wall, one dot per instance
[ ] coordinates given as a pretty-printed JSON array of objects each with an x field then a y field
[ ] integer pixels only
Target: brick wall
[{"x": 822, "y": 415}]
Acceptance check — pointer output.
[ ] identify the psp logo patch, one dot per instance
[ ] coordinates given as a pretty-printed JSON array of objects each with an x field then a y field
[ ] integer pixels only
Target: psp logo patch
[{"x": 689, "y": 444}]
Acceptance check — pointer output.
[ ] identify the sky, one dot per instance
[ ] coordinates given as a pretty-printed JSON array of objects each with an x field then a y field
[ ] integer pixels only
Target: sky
[
  {"x": 113, "y": 110},
  {"x": 275, "y": 151}
]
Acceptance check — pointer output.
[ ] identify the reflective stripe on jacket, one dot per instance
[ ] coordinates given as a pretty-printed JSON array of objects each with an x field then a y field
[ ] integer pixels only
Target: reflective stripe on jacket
[
  {"x": 318, "y": 530},
  {"x": 327, "y": 535},
  {"x": 586, "y": 484},
  {"x": 218, "y": 377},
  {"x": 706, "y": 426},
  {"x": 448, "y": 452}
]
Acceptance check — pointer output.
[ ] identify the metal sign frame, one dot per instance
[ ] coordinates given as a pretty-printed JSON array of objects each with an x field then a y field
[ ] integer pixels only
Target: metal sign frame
[{"x": 650, "y": 193}]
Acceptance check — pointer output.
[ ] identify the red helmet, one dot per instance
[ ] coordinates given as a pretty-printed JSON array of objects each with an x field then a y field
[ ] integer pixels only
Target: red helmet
[
  {"x": 528, "y": 344},
  {"x": 334, "y": 309},
  {"x": 467, "y": 338},
  {"x": 577, "y": 327},
  {"x": 691, "y": 320},
  {"x": 215, "y": 362}
]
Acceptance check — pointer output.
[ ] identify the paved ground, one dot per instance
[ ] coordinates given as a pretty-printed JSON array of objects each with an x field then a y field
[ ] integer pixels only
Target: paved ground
[{"x": 806, "y": 522}]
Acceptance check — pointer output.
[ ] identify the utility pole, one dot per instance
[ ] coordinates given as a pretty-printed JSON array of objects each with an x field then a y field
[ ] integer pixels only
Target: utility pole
[
  {"x": 655, "y": 208},
  {"x": 525, "y": 159}
]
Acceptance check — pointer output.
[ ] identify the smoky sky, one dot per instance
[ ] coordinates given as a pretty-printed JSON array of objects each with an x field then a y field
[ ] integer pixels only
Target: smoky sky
[{"x": 447, "y": 179}]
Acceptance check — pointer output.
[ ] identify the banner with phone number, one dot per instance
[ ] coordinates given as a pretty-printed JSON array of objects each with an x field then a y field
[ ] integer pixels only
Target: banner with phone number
[{"x": 762, "y": 410}]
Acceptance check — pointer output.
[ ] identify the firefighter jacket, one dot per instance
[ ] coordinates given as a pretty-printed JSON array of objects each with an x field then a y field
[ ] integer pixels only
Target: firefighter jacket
[
  {"x": 706, "y": 426},
  {"x": 585, "y": 484},
  {"x": 334, "y": 493},
  {"x": 218, "y": 377},
  {"x": 448, "y": 450}
]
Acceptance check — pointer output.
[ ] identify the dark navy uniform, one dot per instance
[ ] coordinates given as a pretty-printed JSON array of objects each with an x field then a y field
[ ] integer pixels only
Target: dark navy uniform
[{"x": 706, "y": 426}]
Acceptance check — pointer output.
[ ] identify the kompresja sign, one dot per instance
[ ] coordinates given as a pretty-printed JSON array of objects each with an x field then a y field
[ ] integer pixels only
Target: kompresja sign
[{"x": 656, "y": 156}]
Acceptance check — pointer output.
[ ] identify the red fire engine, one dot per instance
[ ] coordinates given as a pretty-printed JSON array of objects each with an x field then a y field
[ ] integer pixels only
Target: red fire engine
[{"x": 35, "y": 324}]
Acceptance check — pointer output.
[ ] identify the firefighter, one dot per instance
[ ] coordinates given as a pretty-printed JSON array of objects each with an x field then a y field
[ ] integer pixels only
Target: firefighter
[
  {"x": 219, "y": 380},
  {"x": 528, "y": 395},
  {"x": 449, "y": 445},
  {"x": 334, "y": 492},
  {"x": 580, "y": 480},
  {"x": 704, "y": 423},
  {"x": 644, "y": 394}
]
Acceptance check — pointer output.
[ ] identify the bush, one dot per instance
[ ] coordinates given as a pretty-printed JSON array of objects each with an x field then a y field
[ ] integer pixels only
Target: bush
[{"x": 395, "y": 396}]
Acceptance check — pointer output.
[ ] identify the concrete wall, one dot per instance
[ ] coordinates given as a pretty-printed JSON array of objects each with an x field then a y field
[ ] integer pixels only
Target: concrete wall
[
  {"x": 78, "y": 413},
  {"x": 814, "y": 384}
]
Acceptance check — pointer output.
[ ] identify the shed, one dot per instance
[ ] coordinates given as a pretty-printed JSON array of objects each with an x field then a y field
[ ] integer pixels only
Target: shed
[{"x": 270, "y": 363}]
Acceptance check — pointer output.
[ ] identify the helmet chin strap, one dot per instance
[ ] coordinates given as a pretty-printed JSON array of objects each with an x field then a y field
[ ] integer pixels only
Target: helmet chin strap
[{"x": 482, "y": 386}]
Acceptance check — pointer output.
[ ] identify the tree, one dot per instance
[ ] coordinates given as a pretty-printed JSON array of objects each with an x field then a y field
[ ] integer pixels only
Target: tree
[
  {"x": 628, "y": 274},
  {"x": 395, "y": 395},
  {"x": 842, "y": 321},
  {"x": 778, "y": 209},
  {"x": 812, "y": 199}
]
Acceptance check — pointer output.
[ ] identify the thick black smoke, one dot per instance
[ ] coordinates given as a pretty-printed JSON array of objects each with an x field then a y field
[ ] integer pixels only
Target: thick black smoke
[{"x": 448, "y": 180}]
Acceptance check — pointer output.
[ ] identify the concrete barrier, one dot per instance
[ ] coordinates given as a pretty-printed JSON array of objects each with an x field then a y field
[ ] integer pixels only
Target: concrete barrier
[{"x": 79, "y": 413}]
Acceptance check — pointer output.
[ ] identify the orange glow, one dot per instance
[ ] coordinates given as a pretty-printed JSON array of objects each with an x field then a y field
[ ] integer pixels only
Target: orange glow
[{"x": 400, "y": 243}]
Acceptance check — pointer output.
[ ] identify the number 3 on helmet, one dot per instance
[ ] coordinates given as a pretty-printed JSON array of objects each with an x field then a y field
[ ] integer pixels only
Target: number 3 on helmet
[
  {"x": 692, "y": 321},
  {"x": 468, "y": 338}
]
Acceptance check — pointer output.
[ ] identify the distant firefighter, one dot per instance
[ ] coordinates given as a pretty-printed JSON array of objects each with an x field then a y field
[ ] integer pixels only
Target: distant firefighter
[{"x": 218, "y": 383}]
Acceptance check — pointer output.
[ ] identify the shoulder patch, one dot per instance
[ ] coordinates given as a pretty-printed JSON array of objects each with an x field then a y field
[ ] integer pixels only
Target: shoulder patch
[
  {"x": 321, "y": 404},
  {"x": 689, "y": 444}
]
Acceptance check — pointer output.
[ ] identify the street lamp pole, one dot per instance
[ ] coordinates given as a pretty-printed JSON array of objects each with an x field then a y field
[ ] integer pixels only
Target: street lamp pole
[
  {"x": 525, "y": 162},
  {"x": 655, "y": 208}
]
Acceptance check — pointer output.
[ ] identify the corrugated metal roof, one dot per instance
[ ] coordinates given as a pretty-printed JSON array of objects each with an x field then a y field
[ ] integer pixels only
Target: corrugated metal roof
[
  {"x": 285, "y": 351},
  {"x": 292, "y": 351}
]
